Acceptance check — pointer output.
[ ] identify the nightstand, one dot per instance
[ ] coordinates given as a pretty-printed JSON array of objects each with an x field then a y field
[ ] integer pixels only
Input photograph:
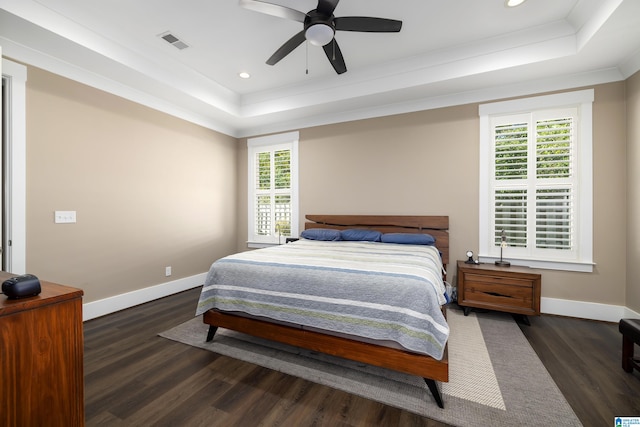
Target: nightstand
[{"x": 510, "y": 289}]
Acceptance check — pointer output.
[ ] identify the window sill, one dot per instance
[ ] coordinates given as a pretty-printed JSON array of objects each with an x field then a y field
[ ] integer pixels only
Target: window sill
[
  {"x": 581, "y": 267},
  {"x": 260, "y": 245}
]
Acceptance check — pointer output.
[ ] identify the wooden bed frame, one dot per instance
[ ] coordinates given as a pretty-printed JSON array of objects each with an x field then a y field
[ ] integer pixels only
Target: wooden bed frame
[{"x": 430, "y": 369}]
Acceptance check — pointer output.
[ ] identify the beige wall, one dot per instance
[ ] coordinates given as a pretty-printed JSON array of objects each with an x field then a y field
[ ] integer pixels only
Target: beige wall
[
  {"x": 150, "y": 190},
  {"x": 427, "y": 163},
  {"x": 633, "y": 192}
]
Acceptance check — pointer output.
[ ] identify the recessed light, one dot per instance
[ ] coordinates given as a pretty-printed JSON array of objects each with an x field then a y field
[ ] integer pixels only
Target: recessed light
[
  {"x": 244, "y": 75},
  {"x": 513, "y": 3}
]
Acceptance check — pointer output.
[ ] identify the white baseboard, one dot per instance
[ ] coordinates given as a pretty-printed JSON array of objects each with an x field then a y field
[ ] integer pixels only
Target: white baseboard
[
  {"x": 630, "y": 313},
  {"x": 102, "y": 307},
  {"x": 586, "y": 310}
]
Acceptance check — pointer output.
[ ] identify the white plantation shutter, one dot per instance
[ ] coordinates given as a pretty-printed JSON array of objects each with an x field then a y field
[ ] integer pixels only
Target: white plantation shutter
[
  {"x": 282, "y": 192},
  {"x": 533, "y": 180},
  {"x": 262, "y": 189},
  {"x": 272, "y": 188},
  {"x": 510, "y": 181},
  {"x": 533, "y": 185},
  {"x": 511, "y": 216},
  {"x": 555, "y": 174},
  {"x": 554, "y": 219}
]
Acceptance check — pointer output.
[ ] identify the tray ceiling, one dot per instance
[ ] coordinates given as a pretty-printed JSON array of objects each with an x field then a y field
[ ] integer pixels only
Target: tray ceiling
[{"x": 448, "y": 52}]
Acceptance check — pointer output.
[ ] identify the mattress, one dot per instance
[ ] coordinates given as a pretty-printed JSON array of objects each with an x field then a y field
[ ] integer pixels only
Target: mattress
[{"x": 377, "y": 291}]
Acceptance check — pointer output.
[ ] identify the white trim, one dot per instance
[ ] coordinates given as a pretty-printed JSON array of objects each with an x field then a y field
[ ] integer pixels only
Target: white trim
[
  {"x": 581, "y": 267},
  {"x": 630, "y": 65},
  {"x": 242, "y": 127},
  {"x": 586, "y": 310},
  {"x": 538, "y": 102},
  {"x": 483, "y": 182},
  {"x": 258, "y": 245},
  {"x": 529, "y": 88},
  {"x": 280, "y": 138},
  {"x": 16, "y": 75},
  {"x": 595, "y": 22},
  {"x": 585, "y": 189},
  {"x": 76, "y": 73},
  {"x": 105, "y": 306},
  {"x": 630, "y": 313}
]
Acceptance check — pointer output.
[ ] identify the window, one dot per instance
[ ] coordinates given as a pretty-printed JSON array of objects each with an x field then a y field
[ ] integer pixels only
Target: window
[
  {"x": 273, "y": 188},
  {"x": 536, "y": 181}
]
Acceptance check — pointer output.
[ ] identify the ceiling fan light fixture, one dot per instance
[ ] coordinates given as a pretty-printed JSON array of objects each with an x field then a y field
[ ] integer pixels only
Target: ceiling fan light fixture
[
  {"x": 513, "y": 3},
  {"x": 319, "y": 34}
]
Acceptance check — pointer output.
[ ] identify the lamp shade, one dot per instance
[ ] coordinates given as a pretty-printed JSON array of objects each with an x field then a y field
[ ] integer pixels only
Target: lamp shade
[{"x": 319, "y": 34}]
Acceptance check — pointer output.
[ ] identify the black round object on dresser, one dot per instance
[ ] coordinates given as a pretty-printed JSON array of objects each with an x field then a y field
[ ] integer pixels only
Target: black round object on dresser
[{"x": 23, "y": 286}]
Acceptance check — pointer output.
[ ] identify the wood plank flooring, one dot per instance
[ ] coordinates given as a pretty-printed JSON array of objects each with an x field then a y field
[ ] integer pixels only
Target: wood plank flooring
[{"x": 135, "y": 378}]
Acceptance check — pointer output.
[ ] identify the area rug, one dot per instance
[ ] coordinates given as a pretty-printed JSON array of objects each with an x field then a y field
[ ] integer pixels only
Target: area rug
[{"x": 495, "y": 377}]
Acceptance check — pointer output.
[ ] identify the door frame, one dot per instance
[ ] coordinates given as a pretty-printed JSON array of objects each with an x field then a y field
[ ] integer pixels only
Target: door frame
[{"x": 15, "y": 164}]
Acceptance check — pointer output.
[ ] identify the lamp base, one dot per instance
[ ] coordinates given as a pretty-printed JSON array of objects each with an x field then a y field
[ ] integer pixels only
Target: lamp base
[{"x": 502, "y": 263}]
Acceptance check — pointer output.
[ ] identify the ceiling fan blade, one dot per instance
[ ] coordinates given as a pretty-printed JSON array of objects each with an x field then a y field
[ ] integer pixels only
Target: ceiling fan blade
[
  {"x": 326, "y": 7},
  {"x": 366, "y": 24},
  {"x": 287, "y": 48},
  {"x": 274, "y": 10},
  {"x": 334, "y": 54}
]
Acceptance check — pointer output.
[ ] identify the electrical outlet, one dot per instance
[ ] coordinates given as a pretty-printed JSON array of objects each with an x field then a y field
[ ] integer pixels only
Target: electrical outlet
[
  {"x": 64, "y": 217},
  {"x": 167, "y": 271}
]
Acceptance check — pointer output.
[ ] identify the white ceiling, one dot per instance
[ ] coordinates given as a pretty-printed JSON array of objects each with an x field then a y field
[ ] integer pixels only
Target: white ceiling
[{"x": 448, "y": 52}]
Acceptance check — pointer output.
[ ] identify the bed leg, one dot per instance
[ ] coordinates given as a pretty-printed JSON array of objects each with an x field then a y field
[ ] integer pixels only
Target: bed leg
[
  {"x": 433, "y": 387},
  {"x": 212, "y": 332}
]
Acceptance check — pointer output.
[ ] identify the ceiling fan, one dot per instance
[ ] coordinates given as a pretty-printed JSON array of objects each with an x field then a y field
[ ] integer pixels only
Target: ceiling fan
[{"x": 319, "y": 28}]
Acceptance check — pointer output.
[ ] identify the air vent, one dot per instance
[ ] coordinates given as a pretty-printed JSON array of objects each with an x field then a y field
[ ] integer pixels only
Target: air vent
[{"x": 173, "y": 40}]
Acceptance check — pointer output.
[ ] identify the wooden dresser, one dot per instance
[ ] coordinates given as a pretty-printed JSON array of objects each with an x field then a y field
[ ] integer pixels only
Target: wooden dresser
[
  {"x": 41, "y": 358},
  {"x": 511, "y": 289}
]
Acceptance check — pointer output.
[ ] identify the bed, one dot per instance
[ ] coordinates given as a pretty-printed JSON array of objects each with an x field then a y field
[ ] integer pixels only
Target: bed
[{"x": 279, "y": 294}]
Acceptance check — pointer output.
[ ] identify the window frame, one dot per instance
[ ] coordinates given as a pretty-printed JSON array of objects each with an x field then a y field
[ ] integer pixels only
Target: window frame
[
  {"x": 276, "y": 142},
  {"x": 583, "y": 102}
]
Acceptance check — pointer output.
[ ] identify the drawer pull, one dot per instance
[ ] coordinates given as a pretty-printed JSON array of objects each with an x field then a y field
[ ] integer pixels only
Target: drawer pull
[
  {"x": 493, "y": 294},
  {"x": 496, "y": 294}
]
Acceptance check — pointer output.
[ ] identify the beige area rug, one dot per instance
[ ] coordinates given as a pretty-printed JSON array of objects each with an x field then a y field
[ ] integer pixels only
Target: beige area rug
[{"x": 495, "y": 377}]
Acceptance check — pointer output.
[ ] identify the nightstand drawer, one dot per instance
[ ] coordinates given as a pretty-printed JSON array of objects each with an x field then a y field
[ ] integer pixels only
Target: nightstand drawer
[
  {"x": 505, "y": 295},
  {"x": 510, "y": 281}
]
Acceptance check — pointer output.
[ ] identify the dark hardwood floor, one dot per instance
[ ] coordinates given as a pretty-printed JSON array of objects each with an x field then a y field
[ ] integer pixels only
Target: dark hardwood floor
[{"x": 135, "y": 378}]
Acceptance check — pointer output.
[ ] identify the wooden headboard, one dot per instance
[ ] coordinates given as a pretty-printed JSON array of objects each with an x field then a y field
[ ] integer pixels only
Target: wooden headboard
[{"x": 437, "y": 226}]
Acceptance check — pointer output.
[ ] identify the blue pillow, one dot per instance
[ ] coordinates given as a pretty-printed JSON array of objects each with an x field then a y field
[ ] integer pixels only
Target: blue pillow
[
  {"x": 361, "y": 235},
  {"x": 409, "y": 238},
  {"x": 325, "y": 234}
]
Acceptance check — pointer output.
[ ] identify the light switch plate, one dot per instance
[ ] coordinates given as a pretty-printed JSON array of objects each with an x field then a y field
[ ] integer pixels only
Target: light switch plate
[{"x": 65, "y": 217}]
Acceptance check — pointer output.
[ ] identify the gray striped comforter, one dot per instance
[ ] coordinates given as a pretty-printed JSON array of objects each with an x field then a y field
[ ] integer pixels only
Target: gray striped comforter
[{"x": 379, "y": 291}]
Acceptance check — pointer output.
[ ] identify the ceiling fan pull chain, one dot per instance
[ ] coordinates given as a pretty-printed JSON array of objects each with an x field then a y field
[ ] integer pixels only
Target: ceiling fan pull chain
[
  {"x": 334, "y": 49},
  {"x": 307, "y": 46}
]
